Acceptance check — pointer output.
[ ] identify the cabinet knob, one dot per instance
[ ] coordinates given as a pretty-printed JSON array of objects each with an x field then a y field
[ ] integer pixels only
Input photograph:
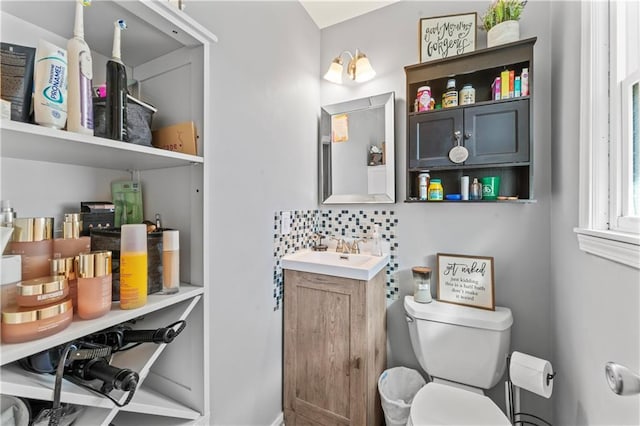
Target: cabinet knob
[{"x": 467, "y": 135}]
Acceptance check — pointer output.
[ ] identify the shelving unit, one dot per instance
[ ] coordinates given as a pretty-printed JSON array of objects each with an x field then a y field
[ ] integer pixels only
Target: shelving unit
[
  {"x": 47, "y": 172},
  {"x": 498, "y": 134}
]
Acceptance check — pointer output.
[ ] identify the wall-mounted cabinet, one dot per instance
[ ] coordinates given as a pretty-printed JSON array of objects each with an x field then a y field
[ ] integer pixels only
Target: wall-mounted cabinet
[
  {"x": 497, "y": 133},
  {"x": 48, "y": 172}
]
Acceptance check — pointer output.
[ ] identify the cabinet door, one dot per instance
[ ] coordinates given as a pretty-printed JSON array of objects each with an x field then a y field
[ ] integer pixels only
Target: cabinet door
[
  {"x": 325, "y": 324},
  {"x": 431, "y": 137},
  {"x": 497, "y": 133}
]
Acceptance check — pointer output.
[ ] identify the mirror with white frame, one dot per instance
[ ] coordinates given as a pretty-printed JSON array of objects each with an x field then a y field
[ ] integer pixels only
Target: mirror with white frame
[{"x": 357, "y": 151}]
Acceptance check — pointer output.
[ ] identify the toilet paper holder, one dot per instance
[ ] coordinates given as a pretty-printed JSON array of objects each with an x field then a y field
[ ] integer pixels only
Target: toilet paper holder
[{"x": 512, "y": 394}]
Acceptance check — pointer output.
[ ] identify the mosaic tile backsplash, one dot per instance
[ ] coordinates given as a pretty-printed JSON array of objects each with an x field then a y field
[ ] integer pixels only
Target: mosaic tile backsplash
[{"x": 340, "y": 223}]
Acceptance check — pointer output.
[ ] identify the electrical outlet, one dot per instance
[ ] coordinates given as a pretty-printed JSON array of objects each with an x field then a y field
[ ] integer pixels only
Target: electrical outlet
[{"x": 285, "y": 223}]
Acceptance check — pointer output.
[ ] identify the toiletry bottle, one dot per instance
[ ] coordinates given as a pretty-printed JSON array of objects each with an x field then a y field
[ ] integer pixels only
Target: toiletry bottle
[
  {"x": 7, "y": 215},
  {"x": 436, "y": 191},
  {"x": 32, "y": 238},
  {"x": 80, "y": 102},
  {"x": 476, "y": 190},
  {"x": 133, "y": 266},
  {"x": 71, "y": 243},
  {"x": 423, "y": 185},
  {"x": 116, "y": 104},
  {"x": 94, "y": 284},
  {"x": 50, "y": 86},
  {"x": 376, "y": 248},
  {"x": 170, "y": 261}
]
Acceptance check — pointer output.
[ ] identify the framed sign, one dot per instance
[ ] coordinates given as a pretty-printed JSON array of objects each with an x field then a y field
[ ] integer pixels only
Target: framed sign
[
  {"x": 446, "y": 36},
  {"x": 466, "y": 280}
]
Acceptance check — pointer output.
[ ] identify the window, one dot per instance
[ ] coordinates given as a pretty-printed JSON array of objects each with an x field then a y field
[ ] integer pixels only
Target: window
[{"x": 609, "y": 153}]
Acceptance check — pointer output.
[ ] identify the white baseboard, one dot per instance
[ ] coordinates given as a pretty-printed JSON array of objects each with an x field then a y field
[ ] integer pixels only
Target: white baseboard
[{"x": 279, "y": 421}]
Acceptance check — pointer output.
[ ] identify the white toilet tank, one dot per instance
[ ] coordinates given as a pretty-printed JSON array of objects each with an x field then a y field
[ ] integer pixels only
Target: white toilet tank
[{"x": 459, "y": 343}]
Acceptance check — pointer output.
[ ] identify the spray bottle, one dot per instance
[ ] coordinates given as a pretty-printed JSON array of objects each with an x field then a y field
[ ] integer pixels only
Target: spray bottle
[
  {"x": 80, "y": 107},
  {"x": 116, "y": 105}
]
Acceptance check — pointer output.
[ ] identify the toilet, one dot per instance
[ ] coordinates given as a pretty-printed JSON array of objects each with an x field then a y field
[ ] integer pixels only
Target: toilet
[{"x": 464, "y": 350}]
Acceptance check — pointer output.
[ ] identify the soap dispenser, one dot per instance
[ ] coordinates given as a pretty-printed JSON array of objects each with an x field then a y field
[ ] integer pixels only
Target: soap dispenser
[{"x": 376, "y": 248}]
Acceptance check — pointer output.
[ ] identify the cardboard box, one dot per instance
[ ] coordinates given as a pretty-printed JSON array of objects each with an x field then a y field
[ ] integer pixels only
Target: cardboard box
[{"x": 181, "y": 137}]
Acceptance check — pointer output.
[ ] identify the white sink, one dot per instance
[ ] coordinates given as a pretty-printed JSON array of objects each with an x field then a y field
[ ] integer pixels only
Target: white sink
[{"x": 355, "y": 266}]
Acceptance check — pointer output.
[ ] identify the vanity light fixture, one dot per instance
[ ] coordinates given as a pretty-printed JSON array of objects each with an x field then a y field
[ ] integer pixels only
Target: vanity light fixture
[{"x": 359, "y": 68}]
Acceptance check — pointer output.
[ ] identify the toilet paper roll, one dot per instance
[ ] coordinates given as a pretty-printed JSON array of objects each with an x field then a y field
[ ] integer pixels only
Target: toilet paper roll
[{"x": 530, "y": 373}]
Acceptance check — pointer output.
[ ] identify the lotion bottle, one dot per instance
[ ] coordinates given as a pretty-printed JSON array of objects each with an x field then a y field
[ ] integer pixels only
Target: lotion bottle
[
  {"x": 376, "y": 248},
  {"x": 80, "y": 102},
  {"x": 116, "y": 104},
  {"x": 94, "y": 284},
  {"x": 71, "y": 244},
  {"x": 133, "y": 266}
]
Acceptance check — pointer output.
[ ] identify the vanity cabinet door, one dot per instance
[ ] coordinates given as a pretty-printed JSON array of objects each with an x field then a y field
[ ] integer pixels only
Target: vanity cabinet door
[
  {"x": 334, "y": 349},
  {"x": 432, "y": 135},
  {"x": 497, "y": 133}
]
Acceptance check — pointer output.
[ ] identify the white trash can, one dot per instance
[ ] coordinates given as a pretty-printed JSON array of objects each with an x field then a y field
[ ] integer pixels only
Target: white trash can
[{"x": 397, "y": 387}]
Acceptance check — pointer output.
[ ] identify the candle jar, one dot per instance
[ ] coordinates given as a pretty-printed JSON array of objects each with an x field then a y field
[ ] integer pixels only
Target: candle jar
[{"x": 421, "y": 284}]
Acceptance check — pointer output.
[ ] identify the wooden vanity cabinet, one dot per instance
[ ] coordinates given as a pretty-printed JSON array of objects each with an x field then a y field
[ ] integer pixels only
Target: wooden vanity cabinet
[{"x": 334, "y": 349}]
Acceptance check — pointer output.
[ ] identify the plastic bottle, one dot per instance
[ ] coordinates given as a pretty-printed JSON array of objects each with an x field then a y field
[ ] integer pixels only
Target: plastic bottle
[
  {"x": 133, "y": 266},
  {"x": 170, "y": 261},
  {"x": 376, "y": 248},
  {"x": 116, "y": 104},
  {"x": 436, "y": 191},
  {"x": 80, "y": 102},
  {"x": 423, "y": 185},
  {"x": 450, "y": 97},
  {"x": 50, "y": 85}
]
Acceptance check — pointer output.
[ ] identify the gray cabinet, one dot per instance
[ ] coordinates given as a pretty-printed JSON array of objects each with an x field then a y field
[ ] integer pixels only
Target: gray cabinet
[{"x": 497, "y": 134}]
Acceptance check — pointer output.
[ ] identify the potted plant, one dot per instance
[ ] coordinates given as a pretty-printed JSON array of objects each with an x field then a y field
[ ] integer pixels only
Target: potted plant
[{"x": 501, "y": 21}]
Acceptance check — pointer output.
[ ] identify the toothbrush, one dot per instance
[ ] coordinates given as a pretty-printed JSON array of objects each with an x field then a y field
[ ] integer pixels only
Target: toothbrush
[{"x": 118, "y": 26}]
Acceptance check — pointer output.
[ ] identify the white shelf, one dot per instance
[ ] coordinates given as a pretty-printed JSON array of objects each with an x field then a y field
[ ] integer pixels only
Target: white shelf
[
  {"x": 78, "y": 328},
  {"x": 163, "y": 48},
  {"x": 18, "y": 382},
  {"x": 59, "y": 146}
]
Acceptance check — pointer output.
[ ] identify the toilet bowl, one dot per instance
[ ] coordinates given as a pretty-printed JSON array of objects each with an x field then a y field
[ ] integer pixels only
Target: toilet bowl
[
  {"x": 464, "y": 350},
  {"x": 438, "y": 404}
]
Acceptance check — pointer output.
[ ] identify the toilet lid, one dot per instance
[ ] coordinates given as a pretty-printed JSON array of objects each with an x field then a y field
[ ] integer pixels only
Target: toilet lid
[{"x": 438, "y": 404}]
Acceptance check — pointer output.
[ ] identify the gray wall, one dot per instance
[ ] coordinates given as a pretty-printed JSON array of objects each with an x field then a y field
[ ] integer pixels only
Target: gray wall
[
  {"x": 517, "y": 236},
  {"x": 266, "y": 95},
  {"x": 595, "y": 302},
  {"x": 265, "y": 98}
]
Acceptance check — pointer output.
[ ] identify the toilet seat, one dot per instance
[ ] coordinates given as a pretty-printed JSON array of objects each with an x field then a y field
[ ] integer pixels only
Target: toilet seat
[{"x": 438, "y": 404}]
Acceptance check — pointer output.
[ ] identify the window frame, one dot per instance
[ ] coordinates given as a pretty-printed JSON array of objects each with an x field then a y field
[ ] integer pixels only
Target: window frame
[{"x": 600, "y": 175}]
